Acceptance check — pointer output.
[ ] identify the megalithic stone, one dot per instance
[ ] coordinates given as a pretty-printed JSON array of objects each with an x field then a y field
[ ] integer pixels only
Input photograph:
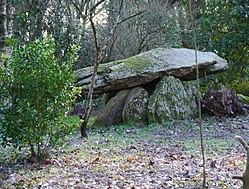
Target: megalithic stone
[{"x": 148, "y": 66}]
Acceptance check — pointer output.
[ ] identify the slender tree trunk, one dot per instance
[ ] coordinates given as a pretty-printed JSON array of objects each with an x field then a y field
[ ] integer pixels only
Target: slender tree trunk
[
  {"x": 181, "y": 22},
  {"x": 193, "y": 23},
  {"x": 3, "y": 27},
  {"x": 100, "y": 54},
  {"x": 98, "y": 60},
  {"x": 85, "y": 12},
  {"x": 32, "y": 149}
]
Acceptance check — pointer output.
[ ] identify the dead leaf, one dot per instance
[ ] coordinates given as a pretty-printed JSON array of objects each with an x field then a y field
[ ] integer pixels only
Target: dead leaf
[
  {"x": 96, "y": 160},
  {"x": 151, "y": 163},
  {"x": 213, "y": 164},
  {"x": 130, "y": 158},
  {"x": 46, "y": 160},
  {"x": 166, "y": 161},
  {"x": 232, "y": 161}
]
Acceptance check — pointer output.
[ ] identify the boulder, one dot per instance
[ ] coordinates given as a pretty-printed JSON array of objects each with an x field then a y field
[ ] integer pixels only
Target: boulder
[
  {"x": 149, "y": 66},
  {"x": 135, "y": 107},
  {"x": 111, "y": 113},
  {"x": 172, "y": 100}
]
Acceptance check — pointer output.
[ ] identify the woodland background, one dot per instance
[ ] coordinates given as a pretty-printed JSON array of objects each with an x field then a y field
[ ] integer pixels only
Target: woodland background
[
  {"x": 134, "y": 26},
  {"x": 118, "y": 29}
]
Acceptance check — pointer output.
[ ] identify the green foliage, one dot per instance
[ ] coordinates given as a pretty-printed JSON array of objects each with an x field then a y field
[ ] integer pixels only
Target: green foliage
[
  {"x": 244, "y": 99},
  {"x": 223, "y": 28},
  {"x": 37, "y": 89},
  {"x": 31, "y": 19},
  {"x": 209, "y": 80},
  {"x": 241, "y": 87}
]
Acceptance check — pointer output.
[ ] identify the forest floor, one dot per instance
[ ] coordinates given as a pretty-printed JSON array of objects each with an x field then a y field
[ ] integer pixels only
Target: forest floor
[{"x": 135, "y": 156}]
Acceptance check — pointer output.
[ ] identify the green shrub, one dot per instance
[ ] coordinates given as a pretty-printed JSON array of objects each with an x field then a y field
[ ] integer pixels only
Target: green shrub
[
  {"x": 37, "y": 89},
  {"x": 223, "y": 29},
  {"x": 244, "y": 99},
  {"x": 241, "y": 87}
]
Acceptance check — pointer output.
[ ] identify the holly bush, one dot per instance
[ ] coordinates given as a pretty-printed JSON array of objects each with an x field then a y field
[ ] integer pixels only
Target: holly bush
[
  {"x": 223, "y": 29},
  {"x": 36, "y": 91}
]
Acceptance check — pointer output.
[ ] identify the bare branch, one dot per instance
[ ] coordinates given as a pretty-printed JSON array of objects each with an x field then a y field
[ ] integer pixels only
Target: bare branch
[
  {"x": 238, "y": 177},
  {"x": 131, "y": 16},
  {"x": 96, "y": 5},
  {"x": 94, "y": 32},
  {"x": 121, "y": 6},
  {"x": 79, "y": 9},
  {"x": 241, "y": 140},
  {"x": 245, "y": 177}
]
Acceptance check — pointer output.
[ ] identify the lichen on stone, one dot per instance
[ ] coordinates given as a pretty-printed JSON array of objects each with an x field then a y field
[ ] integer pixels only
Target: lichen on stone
[
  {"x": 171, "y": 100},
  {"x": 135, "y": 108},
  {"x": 135, "y": 64}
]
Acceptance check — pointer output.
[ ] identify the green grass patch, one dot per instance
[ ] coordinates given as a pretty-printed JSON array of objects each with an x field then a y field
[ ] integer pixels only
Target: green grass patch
[{"x": 210, "y": 146}]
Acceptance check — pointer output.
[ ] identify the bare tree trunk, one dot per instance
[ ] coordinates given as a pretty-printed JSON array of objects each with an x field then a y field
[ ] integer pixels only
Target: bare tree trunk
[
  {"x": 98, "y": 60},
  {"x": 91, "y": 88},
  {"x": 3, "y": 27},
  {"x": 182, "y": 24},
  {"x": 193, "y": 23},
  {"x": 100, "y": 54}
]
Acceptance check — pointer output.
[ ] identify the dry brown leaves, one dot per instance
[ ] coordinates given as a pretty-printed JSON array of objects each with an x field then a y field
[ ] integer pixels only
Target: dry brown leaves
[{"x": 164, "y": 157}]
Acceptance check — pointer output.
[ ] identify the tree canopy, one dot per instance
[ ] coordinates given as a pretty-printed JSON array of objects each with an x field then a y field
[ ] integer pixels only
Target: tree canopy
[{"x": 221, "y": 27}]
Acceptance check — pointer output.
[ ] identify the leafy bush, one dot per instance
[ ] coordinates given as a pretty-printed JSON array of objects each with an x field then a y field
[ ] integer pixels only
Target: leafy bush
[
  {"x": 244, "y": 99},
  {"x": 37, "y": 89},
  {"x": 241, "y": 87},
  {"x": 222, "y": 28}
]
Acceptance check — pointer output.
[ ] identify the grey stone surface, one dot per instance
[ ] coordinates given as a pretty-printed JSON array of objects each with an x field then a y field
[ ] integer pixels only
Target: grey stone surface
[
  {"x": 111, "y": 114},
  {"x": 135, "y": 108},
  {"x": 148, "y": 66},
  {"x": 172, "y": 99}
]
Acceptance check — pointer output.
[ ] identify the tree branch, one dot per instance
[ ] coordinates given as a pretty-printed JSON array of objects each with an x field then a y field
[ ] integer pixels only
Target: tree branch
[
  {"x": 241, "y": 140},
  {"x": 96, "y": 5},
  {"x": 238, "y": 177},
  {"x": 131, "y": 16},
  {"x": 78, "y": 9},
  {"x": 245, "y": 177}
]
